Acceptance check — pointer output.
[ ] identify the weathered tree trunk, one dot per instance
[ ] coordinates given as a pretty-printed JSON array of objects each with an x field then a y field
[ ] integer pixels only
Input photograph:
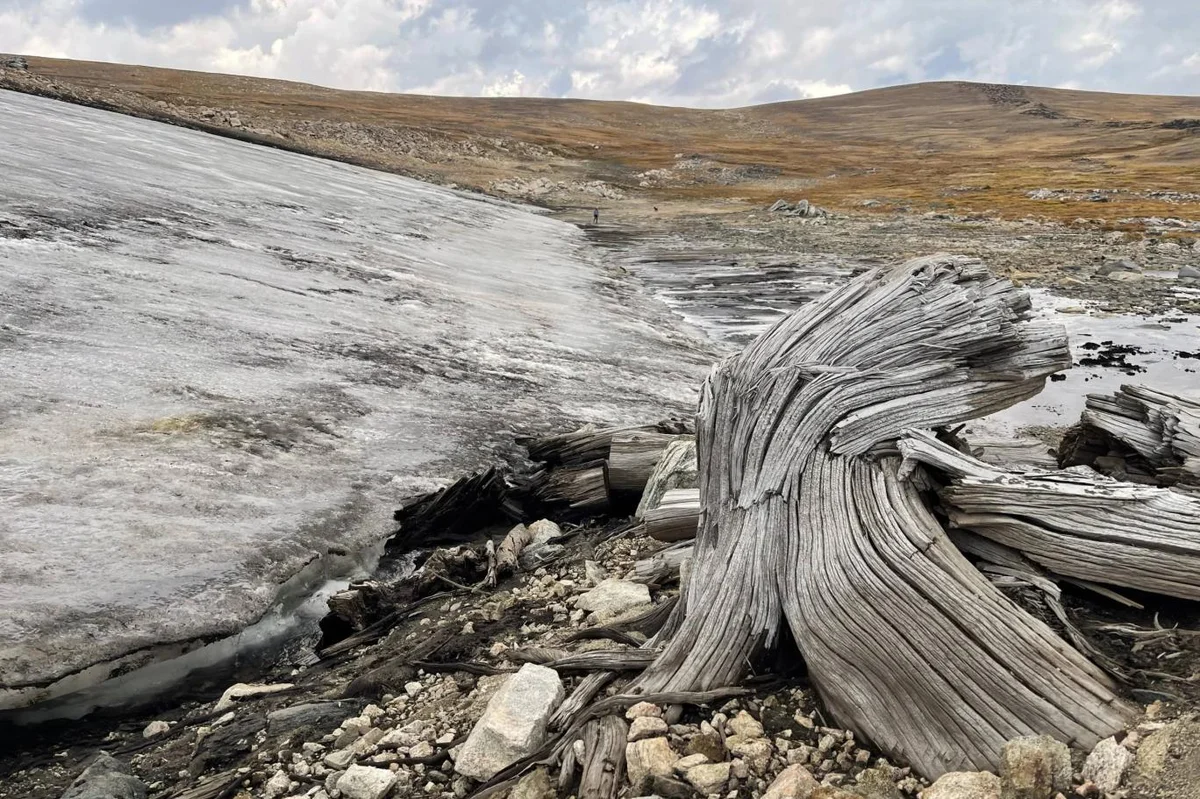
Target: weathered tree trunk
[
  {"x": 908, "y": 644},
  {"x": 1079, "y": 525},
  {"x": 632, "y": 459},
  {"x": 582, "y": 488},
  {"x": 677, "y": 468},
  {"x": 676, "y": 517}
]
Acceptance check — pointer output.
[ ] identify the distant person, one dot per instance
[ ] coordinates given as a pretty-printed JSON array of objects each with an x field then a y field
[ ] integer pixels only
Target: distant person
[{"x": 595, "y": 217}]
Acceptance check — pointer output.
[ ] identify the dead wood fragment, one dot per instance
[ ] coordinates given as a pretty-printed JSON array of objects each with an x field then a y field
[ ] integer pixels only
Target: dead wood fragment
[
  {"x": 604, "y": 758},
  {"x": 676, "y": 468},
  {"x": 632, "y": 458},
  {"x": 907, "y": 643},
  {"x": 510, "y": 549},
  {"x": 582, "y": 487},
  {"x": 1081, "y": 525},
  {"x": 676, "y": 516},
  {"x": 605, "y": 660},
  {"x": 1162, "y": 428},
  {"x": 455, "y": 513},
  {"x": 591, "y": 443}
]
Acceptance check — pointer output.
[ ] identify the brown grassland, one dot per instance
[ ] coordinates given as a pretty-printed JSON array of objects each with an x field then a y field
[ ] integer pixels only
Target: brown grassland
[{"x": 954, "y": 147}]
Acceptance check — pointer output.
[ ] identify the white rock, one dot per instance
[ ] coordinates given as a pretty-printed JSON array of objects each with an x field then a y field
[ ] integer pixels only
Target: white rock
[
  {"x": 642, "y": 709},
  {"x": 340, "y": 759},
  {"x": 685, "y": 763},
  {"x": 650, "y": 757},
  {"x": 1107, "y": 765},
  {"x": 709, "y": 779},
  {"x": 244, "y": 691},
  {"x": 745, "y": 725},
  {"x": 594, "y": 572},
  {"x": 794, "y": 782},
  {"x": 279, "y": 785},
  {"x": 647, "y": 727},
  {"x": 156, "y": 728},
  {"x": 413, "y": 688},
  {"x": 613, "y": 597},
  {"x": 514, "y": 723},
  {"x": 964, "y": 785},
  {"x": 365, "y": 782}
]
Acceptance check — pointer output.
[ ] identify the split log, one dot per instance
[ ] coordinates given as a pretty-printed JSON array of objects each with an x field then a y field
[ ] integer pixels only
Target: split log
[
  {"x": 591, "y": 443},
  {"x": 1012, "y": 453},
  {"x": 662, "y": 565},
  {"x": 907, "y": 643},
  {"x": 632, "y": 459},
  {"x": 582, "y": 488},
  {"x": 1162, "y": 428},
  {"x": 604, "y": 758},
  {"x": 677, "y": 468},
  {"x": 1078, "y": 524},
  {"x": 676, "y": 517},
  {"x": 509, "y": 552},
  {"x": 454, "y": 514}
]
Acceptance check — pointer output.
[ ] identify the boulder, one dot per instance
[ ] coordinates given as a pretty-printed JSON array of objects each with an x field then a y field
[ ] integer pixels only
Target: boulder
[
  {"x": 710, "y": 778},
  {"x": 647, "y": 727},
  {"x": 1034, "y": 768},
  {"x": 964, "y": 785},
  {"x": 642, "y": 710},
  {"x": 1190, "y": 272},
  {"x": 541, "y": 547},
  {"x": 1107, "y": 765},
  {"x": 366, "y": 782},
  {"x": 794, "y": 782},
  {"x": 106, "y": 778},
  {"x": 514, "y": 724},
  {"x": 155, "y": 729},
  {"x": 745, "y": 725},
  {"x": 241, "y": 690},
  {"x": 756, "y": 752},
  {"x": 534, "y": 785},
  {"x": 279, "y": 785},
  {"x": 613, "y": 597},
  {"x": 1167, "y": 765},
  {"x": 1113, "y": 267},
  {"x": 649, "y": 757}
]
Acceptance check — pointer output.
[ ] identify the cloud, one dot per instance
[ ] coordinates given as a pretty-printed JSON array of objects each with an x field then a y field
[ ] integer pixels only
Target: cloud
[{"x": 684, "y": 52}]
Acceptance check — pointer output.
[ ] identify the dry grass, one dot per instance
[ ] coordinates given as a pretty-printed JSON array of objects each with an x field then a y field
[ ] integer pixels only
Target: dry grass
[{"x": 958, "y": 147}]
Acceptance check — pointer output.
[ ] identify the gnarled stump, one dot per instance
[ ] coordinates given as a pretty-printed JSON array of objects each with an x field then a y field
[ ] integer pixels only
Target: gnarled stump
[{"x": 908, "y": 644}]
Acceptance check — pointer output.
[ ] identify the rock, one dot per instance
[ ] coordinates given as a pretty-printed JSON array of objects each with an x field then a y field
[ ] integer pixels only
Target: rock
[
  {"x": 832, "y": 792},
  {"x": 534, "y": 785},
  {"x": 745, "y": 725},
  {"x": 106, "y": 778},
  {"x": 1034, "y": 768},
  {"x": 647, "y": 727},
  {"x": 366, "y": 782},
  {"x": 964, "y": 785},
  {"x": 613, "y": 597},
  {"x": 156, "y": 728},
  {"x": 413, "y": 688},
  {"x": 794, "y": 782},
  {"x": 685, "y": 763},
  {"x": 593, "y": 572},
  {"x": 667, "y": 787},
  {"x": 652, "y": 756},
  {"x": 1191, "y": 272},
  {"x": 1107, "y": 765},
  {"x": 1127, "y": 277},
  {"x": 514, "y": 723},
  {"x": 756, "y": 752},
  {"x": 710, "y": 778},
  {"x": 1168, "y": 763},
  {"x": 877, "y": 783},
  {"x": 708, "y": 744},
  {"x": 1114, "y": 267},
  {"x": 279, "y": 785},
  {"x": 16, "y": 62},
  {"x": 341, "y": 759},
  {"x": 241, "y": 690},
  {"x": 643, "y": 710}
]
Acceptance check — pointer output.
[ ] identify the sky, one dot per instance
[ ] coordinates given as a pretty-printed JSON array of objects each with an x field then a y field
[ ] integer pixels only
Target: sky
[{"x": 700, "y": 53}]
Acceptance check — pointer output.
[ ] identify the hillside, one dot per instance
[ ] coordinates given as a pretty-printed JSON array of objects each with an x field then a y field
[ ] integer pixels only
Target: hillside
[{"x": 957, "y": 147}]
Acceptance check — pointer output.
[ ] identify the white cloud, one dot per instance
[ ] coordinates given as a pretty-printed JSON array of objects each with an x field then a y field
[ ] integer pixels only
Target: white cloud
[{"x": 687, "y": 52}]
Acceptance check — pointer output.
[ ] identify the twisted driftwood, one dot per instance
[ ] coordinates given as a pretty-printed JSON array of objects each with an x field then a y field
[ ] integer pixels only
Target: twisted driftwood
[{"x": 803, "y": 521}]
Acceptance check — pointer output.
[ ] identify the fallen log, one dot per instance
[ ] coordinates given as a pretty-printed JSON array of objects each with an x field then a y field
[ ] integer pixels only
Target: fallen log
[
  {"x": 591, "y": 443},
  {"x": 632, "y": 458},
  {"x": 1077, "y": 523},
  {"x": 583, "y": 487},
  {"x": 676, "y": 517},
  {"x": 907, "y": 643}
]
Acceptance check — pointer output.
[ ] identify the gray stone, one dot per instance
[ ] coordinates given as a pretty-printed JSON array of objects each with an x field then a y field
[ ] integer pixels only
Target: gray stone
[
  {"x": 365, "y": 782},
  {"x": 1112, "y": 267},
  {"x": 794, "y": 782},
  {"x": 541, "y": 547},
  {"x": 1034, "y": 768},
  {"x": 155, "y": 729},
  {"x": 106, "y": 778},
  {"x": 1168, "y": 763},
  {"x": 280, "y": 784},
  {"x": 534, "y": 785},
  {"x": 340, "y": 759},
  {"x": 241, "y": 690},
  {"x": 1107, "y": 765},
  {"x": 514, "y": 723},
  {"x": 613, "y": 597},
  {"x": 756, "y": 752},
  {"x": 877, "y": 783},
  {"x": 964, "y": 785},
  {"x": 745, "y": 725},
  {"x": 647, "y": 727},
  {"x": 1190, "y": 272},
  {"x": 594, "y": 573},
  {"x": 652, "y": 756},
  {"x": 710, "y": 778},
  {"x": 643, "y": 709}
]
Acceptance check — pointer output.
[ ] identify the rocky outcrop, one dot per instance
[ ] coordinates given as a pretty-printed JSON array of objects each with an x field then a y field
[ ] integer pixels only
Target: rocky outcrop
[{"x": 106, "y": 778}]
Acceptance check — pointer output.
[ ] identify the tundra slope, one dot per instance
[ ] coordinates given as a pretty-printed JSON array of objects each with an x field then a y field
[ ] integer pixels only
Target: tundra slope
[{"x": 223, "y": 361}]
